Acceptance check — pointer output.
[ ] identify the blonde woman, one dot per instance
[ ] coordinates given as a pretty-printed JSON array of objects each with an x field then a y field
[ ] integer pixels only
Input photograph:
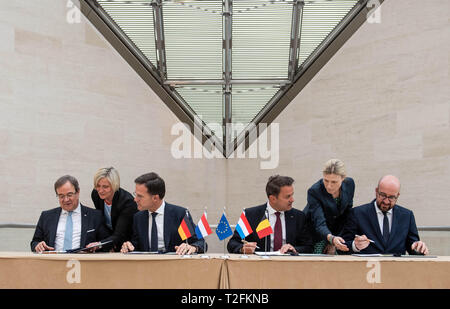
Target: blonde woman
[
  {"x": 329, "y": 202},
  {"x": 116, "y": 204}
]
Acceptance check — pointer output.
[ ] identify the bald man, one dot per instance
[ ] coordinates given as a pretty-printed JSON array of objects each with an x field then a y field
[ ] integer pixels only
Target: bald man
[{"x": 382, "y": 226}]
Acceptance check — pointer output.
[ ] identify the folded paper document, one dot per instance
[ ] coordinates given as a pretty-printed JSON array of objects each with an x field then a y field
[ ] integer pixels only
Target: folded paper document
[{"x": 271, "y": 253}]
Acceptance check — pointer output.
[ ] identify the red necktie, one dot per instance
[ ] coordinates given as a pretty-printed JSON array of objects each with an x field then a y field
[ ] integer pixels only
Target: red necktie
[{"x": 278, "y": 234}]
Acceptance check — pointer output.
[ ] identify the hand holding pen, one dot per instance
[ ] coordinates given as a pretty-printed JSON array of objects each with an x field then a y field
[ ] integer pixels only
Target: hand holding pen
[
  {"x": 249, "y": 247},
  {"x": 362, "y": 242}
]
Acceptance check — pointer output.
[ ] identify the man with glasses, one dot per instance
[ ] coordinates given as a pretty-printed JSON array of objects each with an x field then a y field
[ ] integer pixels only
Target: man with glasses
[
  {"x": 382, "y": 226},
  {"x": 70, "y": 226}
]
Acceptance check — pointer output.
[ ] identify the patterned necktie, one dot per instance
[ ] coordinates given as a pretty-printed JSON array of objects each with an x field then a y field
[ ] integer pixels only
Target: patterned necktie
[
  {"x": 68, "y": 233},
  {"x": 278, "y": 238},
  {"x": 154, "y": 240},
  {"x": 385, "y": 227}
]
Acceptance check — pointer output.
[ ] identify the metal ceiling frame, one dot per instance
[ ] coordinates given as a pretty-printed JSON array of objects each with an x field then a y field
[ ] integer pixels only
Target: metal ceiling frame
[
  {"x": 227, "y": 73},
  {"x": 156, "y": 77},
  {"x": 297, "y": 18},
  {"x": 159, "y": 38}
]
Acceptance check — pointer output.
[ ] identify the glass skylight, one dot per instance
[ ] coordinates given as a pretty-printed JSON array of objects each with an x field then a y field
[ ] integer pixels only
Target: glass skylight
[{"x": 226, "y": 59}]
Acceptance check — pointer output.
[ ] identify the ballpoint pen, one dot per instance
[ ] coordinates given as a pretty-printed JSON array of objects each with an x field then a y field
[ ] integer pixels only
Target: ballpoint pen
[{"x": 370, "y": 240}]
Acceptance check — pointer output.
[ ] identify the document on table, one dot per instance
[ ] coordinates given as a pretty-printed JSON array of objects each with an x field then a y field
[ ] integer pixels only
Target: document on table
[
  {"x": 418, "y": 256},
  {"x": 271, "y": 253},
  {"x": 99, "y": 245},
  {"x": 151, "y": 252},
  {"x": 143, "y": 252},
  {"x": 393, "y": 255},
  {"x": 51, "y": 252}
]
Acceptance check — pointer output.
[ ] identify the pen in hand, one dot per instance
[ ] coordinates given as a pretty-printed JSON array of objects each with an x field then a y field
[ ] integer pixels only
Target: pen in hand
[
  {"x": 370, "y": 240},
  {"x": 246, "y": 242}
]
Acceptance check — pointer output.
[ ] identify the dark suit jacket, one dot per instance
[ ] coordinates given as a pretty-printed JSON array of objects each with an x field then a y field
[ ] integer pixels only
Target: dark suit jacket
[
  {"x": 322, "y": 213},
  {"x": 363, "y": 221},
  {"x": 91, "y": 219},
  {"x": 122, "y": 211},
  {"x": 296, "y": 231},
  {"x": 173, "y": 215}
]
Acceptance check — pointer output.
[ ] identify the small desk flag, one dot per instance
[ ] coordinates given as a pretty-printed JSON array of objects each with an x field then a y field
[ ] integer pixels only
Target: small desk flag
[
  {"x": 223, "y": 229},
  {"x": 264, "y": 228},
  {"x": 202, "y": 229},
  {"x": 243, "y": 227},
  {"x": 186, "y": 230}
]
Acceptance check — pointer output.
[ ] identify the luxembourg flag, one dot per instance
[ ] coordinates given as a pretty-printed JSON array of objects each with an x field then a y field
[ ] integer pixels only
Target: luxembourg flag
[
  {"x": 243, "y": 227},
  {"x": 202, "y": 229}
]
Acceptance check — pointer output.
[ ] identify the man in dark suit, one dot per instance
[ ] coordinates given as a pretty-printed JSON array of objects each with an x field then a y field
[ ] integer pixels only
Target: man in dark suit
[
  {"x": 69, "y": 226},
  {"x": 155, "y": 226},
  {"x": 289, "y": 224},
  {"x": 382, "y": 226}
]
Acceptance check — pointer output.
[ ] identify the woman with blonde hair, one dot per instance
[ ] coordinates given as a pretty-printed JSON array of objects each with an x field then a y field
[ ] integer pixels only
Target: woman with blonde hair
[
  {"x": 329, "y": 202},
  {"x": 117, "y": 205}
]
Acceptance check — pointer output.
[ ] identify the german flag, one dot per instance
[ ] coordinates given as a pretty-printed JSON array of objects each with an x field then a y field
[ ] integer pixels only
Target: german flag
[
  {"x": 186, "y": 230},
  {"x": 263, "y": 229}
]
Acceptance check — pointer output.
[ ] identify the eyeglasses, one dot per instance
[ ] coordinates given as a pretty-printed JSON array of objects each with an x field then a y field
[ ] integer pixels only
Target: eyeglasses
[
  {"x": 69, "y": 195},
  {"x": 391, "y": 198}
]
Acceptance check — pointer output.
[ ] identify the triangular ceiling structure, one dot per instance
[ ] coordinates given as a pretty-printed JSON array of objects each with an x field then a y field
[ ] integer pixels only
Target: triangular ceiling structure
[{"x": 226, "y": 65}]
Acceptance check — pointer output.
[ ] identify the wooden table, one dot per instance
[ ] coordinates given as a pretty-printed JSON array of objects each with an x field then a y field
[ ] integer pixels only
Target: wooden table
[{"x": 148, "y": 271}]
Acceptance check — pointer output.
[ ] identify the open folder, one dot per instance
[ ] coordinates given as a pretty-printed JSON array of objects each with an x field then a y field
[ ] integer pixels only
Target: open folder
[
  {"x": 98, "y": 246},
  {"x": 77, "y": 250}
]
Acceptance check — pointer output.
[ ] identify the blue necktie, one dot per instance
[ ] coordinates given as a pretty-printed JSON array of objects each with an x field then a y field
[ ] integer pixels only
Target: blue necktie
[
  {"x": 154, "y": 240},
  {"x": 385, "y": 227},
  {"x": 69, "y": 232}
]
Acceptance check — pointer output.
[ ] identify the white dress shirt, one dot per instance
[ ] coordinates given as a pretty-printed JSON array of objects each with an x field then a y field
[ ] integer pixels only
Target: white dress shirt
[
  {"x": 61, "y": 229},
  {"x": 159, "y": 219},
  {"x": 380, "y": 217},
  {"x": 273, "y": 220}
]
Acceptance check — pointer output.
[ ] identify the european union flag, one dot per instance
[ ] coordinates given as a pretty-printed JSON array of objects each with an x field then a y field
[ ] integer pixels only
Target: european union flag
[{"x": 223, "y": 229}]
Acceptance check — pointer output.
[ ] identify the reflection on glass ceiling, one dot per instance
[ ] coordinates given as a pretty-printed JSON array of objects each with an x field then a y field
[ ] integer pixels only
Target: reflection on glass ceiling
[
  {"x": 193, "y": 40},
  {"x": 248, "y": 100},
  {"x": 206, "y": 100},
  {"x": 319, "y": 19},
  {"x": 135, "y": 18},
  {"x": 261, "y": 39},
  {"x": 227, "y": 59}
]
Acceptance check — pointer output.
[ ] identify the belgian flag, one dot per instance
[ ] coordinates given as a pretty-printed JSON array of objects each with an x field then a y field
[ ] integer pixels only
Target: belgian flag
[
  {"x": 186, "y": 229},
  {"x": 264, "y": 228}
]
